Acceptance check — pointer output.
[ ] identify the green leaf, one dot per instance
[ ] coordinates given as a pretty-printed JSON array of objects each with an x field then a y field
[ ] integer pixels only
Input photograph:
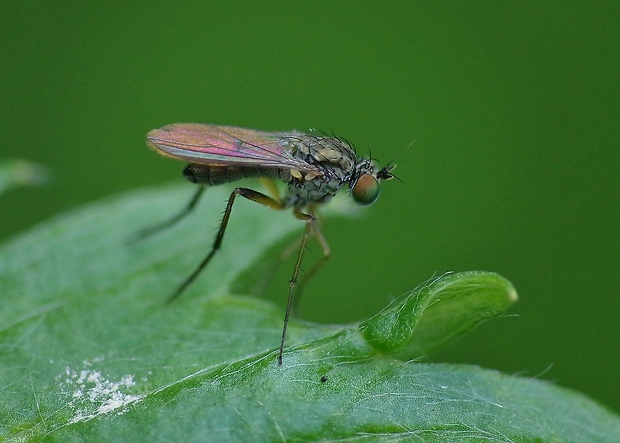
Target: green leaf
[{"x": 89, "y": 350}]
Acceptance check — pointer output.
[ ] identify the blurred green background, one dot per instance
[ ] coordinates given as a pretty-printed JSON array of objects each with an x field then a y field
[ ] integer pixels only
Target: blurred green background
[{"x": 513, "y": 109}]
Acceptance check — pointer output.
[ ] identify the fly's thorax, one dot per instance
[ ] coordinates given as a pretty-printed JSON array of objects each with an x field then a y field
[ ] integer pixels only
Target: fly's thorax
[
  {"x": 324, "y": 152},
  {"x": 334, "y": 161},
  {"x": 318, "y": 189}
]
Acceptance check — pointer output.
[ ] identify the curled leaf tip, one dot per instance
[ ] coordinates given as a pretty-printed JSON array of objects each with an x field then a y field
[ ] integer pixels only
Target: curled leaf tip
[{"x": 437, "y": 311}]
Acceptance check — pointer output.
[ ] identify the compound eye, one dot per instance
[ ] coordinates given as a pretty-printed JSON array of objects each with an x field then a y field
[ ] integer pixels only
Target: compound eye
[{"x": 365, "y": 190}]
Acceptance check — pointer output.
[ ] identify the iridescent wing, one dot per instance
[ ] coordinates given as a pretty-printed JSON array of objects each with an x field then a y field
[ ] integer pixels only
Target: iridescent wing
[{"x": 228, "y": 146}]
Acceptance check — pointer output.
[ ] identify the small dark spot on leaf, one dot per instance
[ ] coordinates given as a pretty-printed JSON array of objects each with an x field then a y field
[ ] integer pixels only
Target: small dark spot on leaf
[{"x": 324, "y": 379}]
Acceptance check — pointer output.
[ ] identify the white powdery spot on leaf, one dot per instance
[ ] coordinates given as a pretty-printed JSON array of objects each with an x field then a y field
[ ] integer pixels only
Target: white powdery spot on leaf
[{"x": 92, "y": 394}]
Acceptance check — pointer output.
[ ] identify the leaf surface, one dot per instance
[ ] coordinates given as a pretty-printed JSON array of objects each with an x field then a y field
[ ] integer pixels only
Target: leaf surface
[{"x": 89, "y": 350}]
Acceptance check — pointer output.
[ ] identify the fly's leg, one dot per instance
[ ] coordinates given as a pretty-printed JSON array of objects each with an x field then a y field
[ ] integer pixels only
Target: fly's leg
[
  {"x": 173, "y": 220},
  {"x": 250, "y": 194},
  {"x": 311, "y": 225},
  {"x": 260, "y": 287},
  {"x": 306, "y": 277},
  {"x": 316, "y": 230}
]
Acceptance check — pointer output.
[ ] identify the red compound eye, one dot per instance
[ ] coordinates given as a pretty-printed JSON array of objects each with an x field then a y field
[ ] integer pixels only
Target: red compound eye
[{"x": 365, "y": 190}]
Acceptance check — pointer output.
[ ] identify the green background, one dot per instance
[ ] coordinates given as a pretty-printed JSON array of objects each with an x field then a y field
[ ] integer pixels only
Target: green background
[{"x": 513, "y": 110}]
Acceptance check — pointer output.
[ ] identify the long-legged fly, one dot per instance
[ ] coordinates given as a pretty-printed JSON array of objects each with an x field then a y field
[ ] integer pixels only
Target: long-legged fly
[{"x": 313, "y": 166}]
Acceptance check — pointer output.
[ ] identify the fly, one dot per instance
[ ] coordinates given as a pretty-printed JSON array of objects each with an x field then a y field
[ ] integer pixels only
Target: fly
[{"x": 314, "y": 167}]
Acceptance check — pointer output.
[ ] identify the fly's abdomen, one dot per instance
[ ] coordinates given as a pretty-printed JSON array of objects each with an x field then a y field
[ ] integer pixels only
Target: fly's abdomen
[{"x": 217, "y": 175}]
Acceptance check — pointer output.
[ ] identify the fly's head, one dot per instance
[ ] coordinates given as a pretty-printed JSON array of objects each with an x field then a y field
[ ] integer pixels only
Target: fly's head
[{"x": 365, "y": 181}]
